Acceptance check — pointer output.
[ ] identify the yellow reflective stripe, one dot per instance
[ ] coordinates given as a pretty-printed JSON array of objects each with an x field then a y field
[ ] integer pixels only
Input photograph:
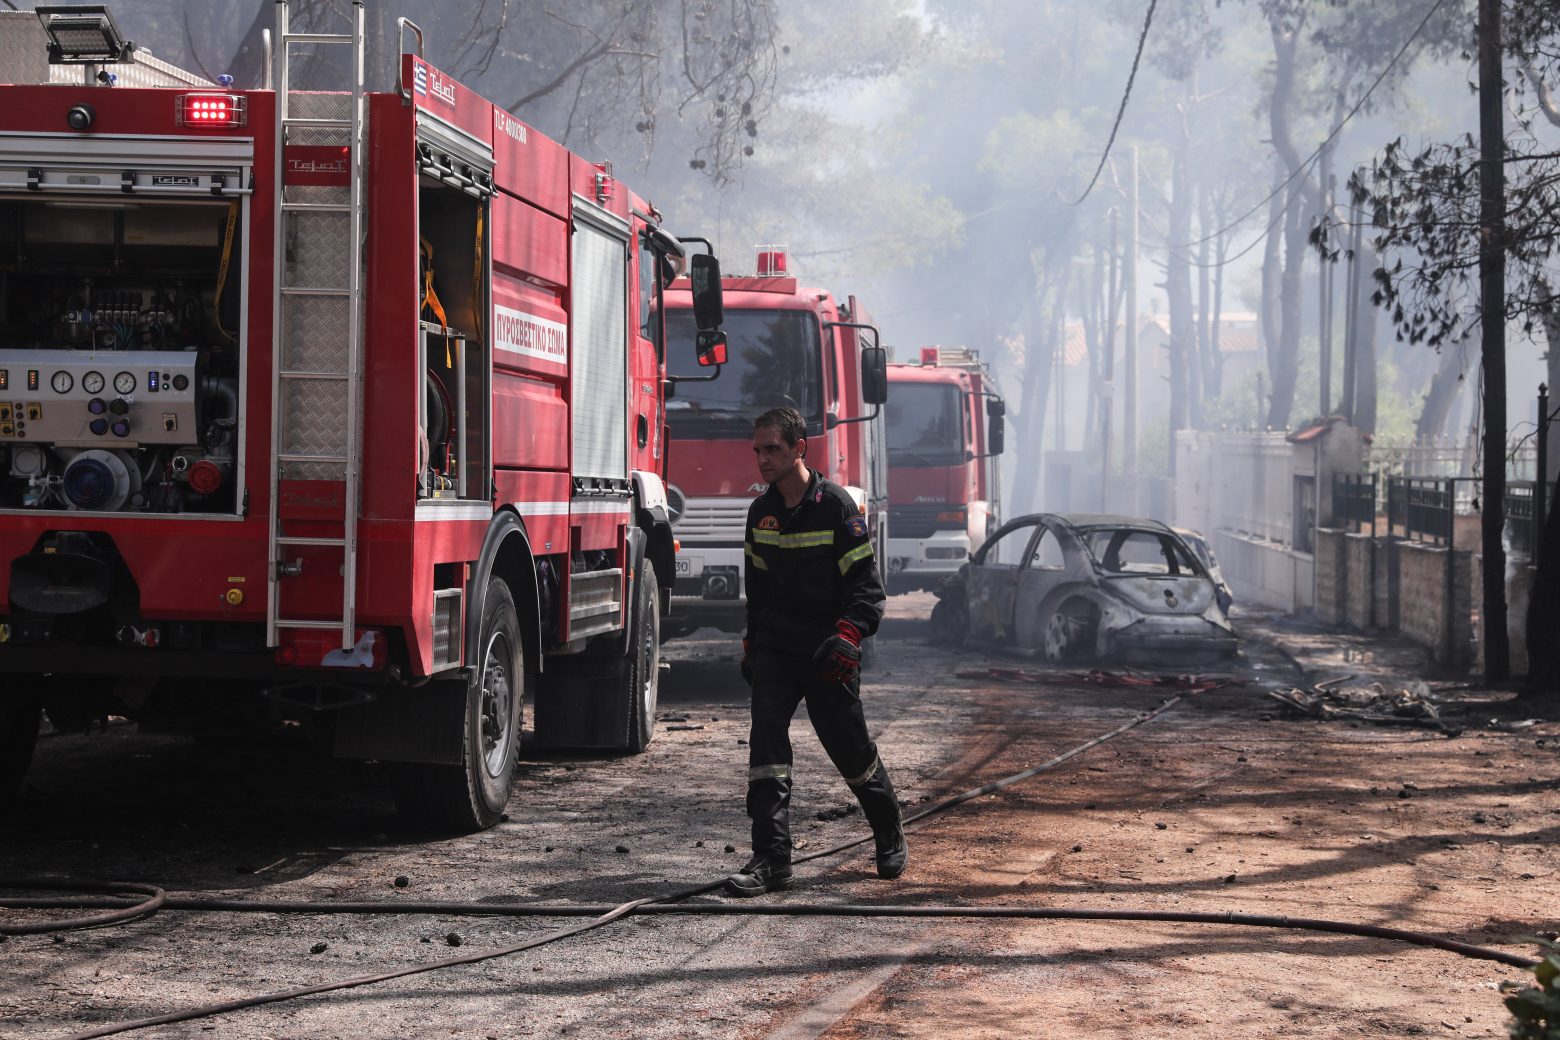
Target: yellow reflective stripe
[
  {"x": 758, "y": 561},
  {"x": 857, "y": 781},
  {"x": 806, "y": 540},
  {"x": 860, "y": 552},
  {"x": 776, "y": 772}
]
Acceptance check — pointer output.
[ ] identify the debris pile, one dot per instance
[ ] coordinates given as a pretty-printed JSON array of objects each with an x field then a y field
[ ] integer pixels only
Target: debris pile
[
  {"x": 1101, "y": 677},
  {"x": 1413, "y": 705}
]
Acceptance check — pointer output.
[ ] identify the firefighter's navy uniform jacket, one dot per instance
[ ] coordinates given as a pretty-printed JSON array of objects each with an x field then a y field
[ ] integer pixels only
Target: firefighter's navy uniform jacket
[{"x": 807, "y": 568}]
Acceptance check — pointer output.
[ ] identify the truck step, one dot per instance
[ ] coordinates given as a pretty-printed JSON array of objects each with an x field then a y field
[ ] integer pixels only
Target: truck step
[{"x": 291, "y": 539}]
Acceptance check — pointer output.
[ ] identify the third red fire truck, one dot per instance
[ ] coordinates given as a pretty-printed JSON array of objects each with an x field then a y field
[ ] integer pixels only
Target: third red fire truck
[
  {"x": 787, "y": 345},
  {"x": 944, "y": 436},
  {"x": 351, "y": 399}
]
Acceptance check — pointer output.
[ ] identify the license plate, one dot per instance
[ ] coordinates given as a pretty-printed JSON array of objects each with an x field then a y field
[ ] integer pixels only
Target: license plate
[{"x": 690, "y": 566}]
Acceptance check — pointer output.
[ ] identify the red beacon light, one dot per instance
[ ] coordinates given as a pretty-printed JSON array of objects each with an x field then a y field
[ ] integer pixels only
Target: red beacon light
[
  {"x": 772, "y": 262},
  {"x": 929, "y": 356},
  {"x": 604, "y": 182},
  {"x": 215, "y": 110}
]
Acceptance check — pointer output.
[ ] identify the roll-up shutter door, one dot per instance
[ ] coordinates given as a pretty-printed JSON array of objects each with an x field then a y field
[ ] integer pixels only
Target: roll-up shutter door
[{"x": 600, "y": 349}]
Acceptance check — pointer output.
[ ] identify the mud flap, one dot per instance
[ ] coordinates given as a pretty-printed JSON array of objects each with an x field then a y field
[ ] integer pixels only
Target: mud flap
[
  {"x": 423, "y": 724},
  {"x": 582, "y": 703}
]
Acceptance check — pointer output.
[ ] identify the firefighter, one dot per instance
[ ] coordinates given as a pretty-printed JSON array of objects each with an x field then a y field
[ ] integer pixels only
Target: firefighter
[{"x": 813, "y": 594}]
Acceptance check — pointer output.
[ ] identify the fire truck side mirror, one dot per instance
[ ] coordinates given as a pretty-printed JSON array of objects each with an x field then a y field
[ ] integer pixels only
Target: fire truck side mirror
[
  {"x": 874, "y": 375},
  {"x": 709, "y": 310},
  {"x": 710, "y": 345},
  {"x": 995, "y": 427}
]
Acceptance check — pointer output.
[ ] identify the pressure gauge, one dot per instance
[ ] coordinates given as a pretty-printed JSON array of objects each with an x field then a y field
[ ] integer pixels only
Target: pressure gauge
[
  {"x": 62, "y": 381},
  {"x": 92, "y": 382},
  {"x": 124, "y": 383}
]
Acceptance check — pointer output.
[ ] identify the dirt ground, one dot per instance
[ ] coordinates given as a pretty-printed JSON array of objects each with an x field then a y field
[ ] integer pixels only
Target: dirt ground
[{"x": 1224, "y": 803}]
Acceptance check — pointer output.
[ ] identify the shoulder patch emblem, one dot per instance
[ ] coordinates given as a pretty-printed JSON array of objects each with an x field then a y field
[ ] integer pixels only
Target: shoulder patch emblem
[
  {"x": 857, "y": 527},
  {"x": 768, "y": 523}
]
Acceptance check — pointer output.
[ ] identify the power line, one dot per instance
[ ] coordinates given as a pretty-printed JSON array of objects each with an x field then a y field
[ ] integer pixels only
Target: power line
[{"x": 1122, "y": 109}]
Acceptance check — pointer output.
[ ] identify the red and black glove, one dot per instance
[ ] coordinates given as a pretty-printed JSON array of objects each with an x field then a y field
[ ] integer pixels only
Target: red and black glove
[
  {"x": 747, "y": 663},
  {"x": 839, "y": 656}
]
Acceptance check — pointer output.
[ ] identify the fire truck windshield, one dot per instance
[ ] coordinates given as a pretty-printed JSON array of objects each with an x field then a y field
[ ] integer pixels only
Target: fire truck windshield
[
  {"x": 773, "y": 360},
  {"x": 925, "y": 425}
]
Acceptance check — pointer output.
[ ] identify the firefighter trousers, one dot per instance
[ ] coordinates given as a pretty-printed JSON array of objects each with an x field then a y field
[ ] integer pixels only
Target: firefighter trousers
[{"x": 780, "y": 684}]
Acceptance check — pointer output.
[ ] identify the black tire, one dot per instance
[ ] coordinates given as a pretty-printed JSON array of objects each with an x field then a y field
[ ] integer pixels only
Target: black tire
[
  {"x": 1068, "y": 634},
  {"x": 18, "y": 736},
  {"x": 949, "y": 621},
  {"x": 642, "y": 665},
  {"x": 472, "y": 796}
]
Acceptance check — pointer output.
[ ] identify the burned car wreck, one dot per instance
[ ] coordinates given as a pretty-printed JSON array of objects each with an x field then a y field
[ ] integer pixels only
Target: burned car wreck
[{"x": 1086, "y": 587}]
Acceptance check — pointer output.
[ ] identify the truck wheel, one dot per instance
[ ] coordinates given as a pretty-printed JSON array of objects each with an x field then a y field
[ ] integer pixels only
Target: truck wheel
[
  {"x": 19, "y": 720},
  {"x": 642, "y": 666},
  {"x": 472, "y": 796}
]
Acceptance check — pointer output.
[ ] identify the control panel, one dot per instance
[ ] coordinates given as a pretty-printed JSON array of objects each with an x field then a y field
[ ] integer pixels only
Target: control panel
[{"x": 98, "y": 398}]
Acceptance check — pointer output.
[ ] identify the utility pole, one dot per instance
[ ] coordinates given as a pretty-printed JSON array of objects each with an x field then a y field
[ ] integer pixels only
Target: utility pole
[
  {"x": 1129, "y": 357},
  {"x": 1109, "y": 381},
  {"x": 1492, "y": 306},
  {"x": 1324, "y": 298}
]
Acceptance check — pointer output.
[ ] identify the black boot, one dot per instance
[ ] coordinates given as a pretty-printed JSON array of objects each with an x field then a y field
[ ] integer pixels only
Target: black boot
[
  {"x": 881, "y": 807},
  {"x": 758, "y": 876},
  {"x": 769, "y": 807}
]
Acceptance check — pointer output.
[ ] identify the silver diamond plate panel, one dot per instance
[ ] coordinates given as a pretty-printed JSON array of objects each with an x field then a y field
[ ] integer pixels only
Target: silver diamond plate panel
[
  {"x": 301, "y": 105},
  {"x": 313, "y": 423},
  {"x": 314, "y": 333},
  {"x": 319, "y": 250}
]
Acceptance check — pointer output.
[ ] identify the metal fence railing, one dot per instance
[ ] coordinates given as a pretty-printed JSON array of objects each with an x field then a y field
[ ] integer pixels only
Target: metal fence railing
[
  {"x": 1521, "y": 520},
  {"x": 1354, "y": 500},
  {"x": 1424, "y": 507}
]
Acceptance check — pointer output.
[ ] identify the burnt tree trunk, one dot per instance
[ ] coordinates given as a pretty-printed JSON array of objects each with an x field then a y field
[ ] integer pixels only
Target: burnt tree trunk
[{"x": 1441, "y": 395}]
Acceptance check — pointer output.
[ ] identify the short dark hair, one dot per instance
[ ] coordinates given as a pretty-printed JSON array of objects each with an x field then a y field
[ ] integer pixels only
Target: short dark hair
[{"x": 787, "y": 422}]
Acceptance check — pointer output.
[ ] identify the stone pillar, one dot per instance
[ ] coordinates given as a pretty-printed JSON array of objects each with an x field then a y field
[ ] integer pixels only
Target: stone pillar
[
  {"x": 1360, "y": 571},
  {"x": 1331, "y": 577}
]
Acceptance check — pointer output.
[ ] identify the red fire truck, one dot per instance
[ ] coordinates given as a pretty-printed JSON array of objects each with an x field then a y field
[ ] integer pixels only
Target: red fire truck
[
  {"x": 350, "y": 399},
  {"x": 943, "y": 476},
  {"x": 786, "y": 345}
]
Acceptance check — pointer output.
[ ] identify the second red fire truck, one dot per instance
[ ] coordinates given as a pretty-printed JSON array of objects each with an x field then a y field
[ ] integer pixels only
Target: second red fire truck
[
  {"x": 349, "y": 399},
  {"x": 788, "y": 344},
  {"x": 945, "y": 434}
]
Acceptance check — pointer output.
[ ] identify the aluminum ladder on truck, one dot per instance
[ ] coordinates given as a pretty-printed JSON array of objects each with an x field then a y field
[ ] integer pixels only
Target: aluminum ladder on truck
[{"x": 316, "y": 340}]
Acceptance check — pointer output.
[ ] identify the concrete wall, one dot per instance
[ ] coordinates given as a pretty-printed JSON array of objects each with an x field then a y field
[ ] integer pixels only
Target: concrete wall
[
  {"x": 1263, "y": 573},
  {"x": 1359, "y": 583},
  {"x": 1423, "y": 589}
]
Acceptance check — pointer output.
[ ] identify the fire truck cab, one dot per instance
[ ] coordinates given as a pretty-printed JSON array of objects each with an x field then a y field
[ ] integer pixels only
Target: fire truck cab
[
  {"x": 349, "y": 399},
  {"x": 787, "y": 345},
  {"x": 944, "y": 495}
]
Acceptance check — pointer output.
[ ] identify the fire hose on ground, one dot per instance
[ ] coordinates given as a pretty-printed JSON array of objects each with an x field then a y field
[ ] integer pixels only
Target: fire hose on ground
[{"x": 111, "y": 897}]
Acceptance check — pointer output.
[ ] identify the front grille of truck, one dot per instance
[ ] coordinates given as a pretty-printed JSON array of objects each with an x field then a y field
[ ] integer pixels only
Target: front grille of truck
[
  {"x": 719, "y": 522},
  {"x": 919, "y": 521}
]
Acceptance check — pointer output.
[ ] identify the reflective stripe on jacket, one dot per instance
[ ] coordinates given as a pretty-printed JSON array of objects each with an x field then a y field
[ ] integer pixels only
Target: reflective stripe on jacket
[{"x": 809, "y": 567}]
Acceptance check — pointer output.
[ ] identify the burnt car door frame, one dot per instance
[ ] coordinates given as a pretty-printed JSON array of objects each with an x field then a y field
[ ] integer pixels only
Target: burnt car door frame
[{"x": 990, "y": 590}]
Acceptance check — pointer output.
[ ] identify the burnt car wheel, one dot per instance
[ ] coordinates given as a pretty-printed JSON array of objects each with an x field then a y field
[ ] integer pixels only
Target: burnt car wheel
[
  {"x": 949, "y": 621},
  {"x": 1069, "y": 632}
]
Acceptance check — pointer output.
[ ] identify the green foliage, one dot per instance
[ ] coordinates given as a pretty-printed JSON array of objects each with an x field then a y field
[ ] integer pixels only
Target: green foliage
[{"x": 1535, "y": 1010}]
